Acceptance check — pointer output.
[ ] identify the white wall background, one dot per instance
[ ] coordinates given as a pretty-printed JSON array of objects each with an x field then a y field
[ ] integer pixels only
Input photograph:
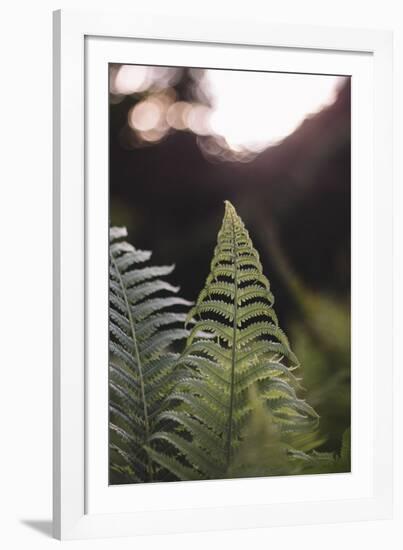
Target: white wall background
[{"x": 25, "y": 272}]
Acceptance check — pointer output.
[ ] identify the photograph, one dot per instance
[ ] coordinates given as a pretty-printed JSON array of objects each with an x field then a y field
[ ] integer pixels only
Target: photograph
[
  {"x": 202, "y": 215},
  {"x": 229, "y": 273}
]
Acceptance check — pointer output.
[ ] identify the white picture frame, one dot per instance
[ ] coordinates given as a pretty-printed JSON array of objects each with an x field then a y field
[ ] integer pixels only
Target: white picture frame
[{"x": 84, "y": 506}]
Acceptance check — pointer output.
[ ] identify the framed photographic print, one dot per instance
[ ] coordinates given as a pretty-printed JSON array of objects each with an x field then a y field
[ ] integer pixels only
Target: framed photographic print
[{"x": 223, "y": 297}]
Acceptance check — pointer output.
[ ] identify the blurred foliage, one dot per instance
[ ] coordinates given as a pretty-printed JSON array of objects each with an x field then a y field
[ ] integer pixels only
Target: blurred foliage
[
  {"x": 262, "y": 452},
  {"x": 319, "y": 328},
  {"x": 324, "y": 349}
]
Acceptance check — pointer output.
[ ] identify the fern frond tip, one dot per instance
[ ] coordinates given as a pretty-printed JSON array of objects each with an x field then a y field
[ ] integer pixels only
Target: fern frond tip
[{"x": 229, "y": 207}]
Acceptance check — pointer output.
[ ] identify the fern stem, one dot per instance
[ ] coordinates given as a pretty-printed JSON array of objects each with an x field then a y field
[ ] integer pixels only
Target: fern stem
[
  {"x": 139, "y": 365},
  {"x": 234, "y": 343}
]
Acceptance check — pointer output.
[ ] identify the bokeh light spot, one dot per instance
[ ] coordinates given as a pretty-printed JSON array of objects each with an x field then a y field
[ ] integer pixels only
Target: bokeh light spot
[
  {"x": 145, "y": 116},
  {"x": 130, "y": 79},
  {"x": 198, "y": 120},
  {"x": 177, "y": 115}
]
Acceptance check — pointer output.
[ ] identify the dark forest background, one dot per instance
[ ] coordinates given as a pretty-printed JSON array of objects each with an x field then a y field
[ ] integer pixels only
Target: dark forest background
[{"x": 294, "y": 198}]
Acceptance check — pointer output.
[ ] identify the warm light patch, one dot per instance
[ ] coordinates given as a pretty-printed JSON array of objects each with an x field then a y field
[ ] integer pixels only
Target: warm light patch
[{"x": 255, "y": 110}]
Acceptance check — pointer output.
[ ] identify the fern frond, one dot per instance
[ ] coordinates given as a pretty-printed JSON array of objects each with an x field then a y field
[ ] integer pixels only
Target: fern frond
[
  {"x": 143, "y": 329},
  {"x": 245, "y": 348}
]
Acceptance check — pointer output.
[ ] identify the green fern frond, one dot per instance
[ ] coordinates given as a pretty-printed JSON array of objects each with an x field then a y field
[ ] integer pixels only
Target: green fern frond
[
  {"x": 322, "y": 462},
  {"x": 245, "y": 347},
  {"x": 143, "y": 329}
]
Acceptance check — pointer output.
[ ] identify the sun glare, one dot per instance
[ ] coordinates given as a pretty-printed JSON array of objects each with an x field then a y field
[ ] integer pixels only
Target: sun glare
[{"x": 255, "y": 110}]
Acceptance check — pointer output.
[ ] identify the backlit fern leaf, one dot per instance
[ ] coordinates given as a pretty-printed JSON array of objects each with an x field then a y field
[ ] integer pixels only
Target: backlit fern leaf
[
  {"x": 235, "y": 343},
  {"x": 141, "y": 371}
]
